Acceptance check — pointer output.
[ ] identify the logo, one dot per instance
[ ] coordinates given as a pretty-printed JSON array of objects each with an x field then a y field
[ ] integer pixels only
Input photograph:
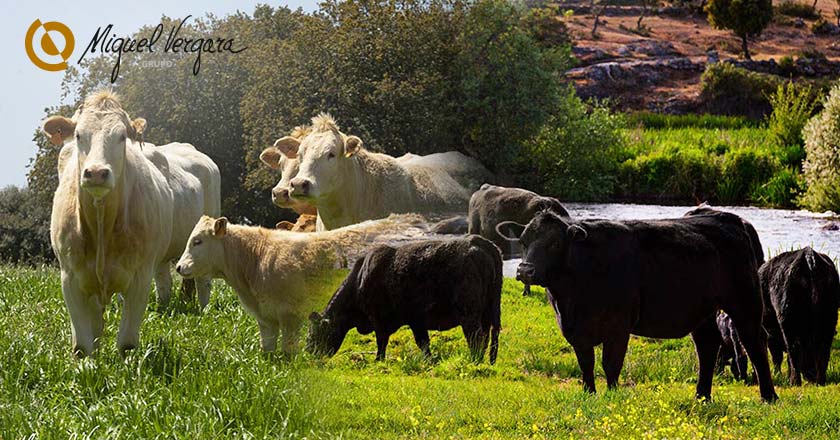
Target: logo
[{"x": 48, "y": 45}]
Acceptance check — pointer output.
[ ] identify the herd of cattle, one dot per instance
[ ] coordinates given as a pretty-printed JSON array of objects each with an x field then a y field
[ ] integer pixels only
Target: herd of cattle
[{"x": 125, "y": 210}]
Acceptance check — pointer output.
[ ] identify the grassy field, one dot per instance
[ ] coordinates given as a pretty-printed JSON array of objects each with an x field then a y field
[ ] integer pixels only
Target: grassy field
[{"x": 203, "y": 376}]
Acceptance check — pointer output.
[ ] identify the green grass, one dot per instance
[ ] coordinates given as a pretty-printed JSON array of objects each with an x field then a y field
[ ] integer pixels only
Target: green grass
[{"x": 203, "y": 377}]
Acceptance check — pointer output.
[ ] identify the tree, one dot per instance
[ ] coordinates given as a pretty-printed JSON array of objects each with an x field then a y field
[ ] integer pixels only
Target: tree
[
  {"x": 746, "y": 18},
  {"x": 822, "y": 156}
]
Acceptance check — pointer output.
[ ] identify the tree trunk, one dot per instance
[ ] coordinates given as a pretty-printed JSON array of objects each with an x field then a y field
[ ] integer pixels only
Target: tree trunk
[
  {"x": 642, "y": 15},
  {"x": 815, "y": 5},
  {"x": 745, "y": 47}
]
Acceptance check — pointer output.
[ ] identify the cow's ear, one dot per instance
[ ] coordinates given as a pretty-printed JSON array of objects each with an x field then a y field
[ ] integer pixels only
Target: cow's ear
[
  {"x": 220, "y": 226},
  {"x": 510, "y": 231},
  {"x": 314, "y": 317},
  {"x": 58, "y": 128},
  {"x": 288, "y": 146},
  {"x": 138, "y": 127},
  {"x": 352, "y": 145},
  {"x": 271, "y": 156},
  {"x": 284, "y": 225},
  {"x": 576, "y": 233}
]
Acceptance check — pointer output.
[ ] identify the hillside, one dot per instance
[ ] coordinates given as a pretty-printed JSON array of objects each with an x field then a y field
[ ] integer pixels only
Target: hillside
[{"x": 659, "y": 68}]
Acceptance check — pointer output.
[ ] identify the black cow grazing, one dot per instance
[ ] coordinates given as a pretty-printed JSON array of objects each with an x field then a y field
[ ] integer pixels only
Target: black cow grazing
[
  {"x": 802, "y": 295},
  {"x": 492, "y": 205},
  {"x": 451, "y": 226},
  {"x": 731, "y": 351},
  {"x": 427, "y": 285},
  {"x": 656, "y": 278}
]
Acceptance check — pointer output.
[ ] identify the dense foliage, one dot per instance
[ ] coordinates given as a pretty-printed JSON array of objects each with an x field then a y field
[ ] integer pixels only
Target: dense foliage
[
  {"x": 822, "y": 162},
  {"x": 418, "y": 76}
]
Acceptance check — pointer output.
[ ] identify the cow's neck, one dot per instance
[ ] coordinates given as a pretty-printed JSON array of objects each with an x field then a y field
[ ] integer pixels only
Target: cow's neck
[
  {"x": 243, "y": 254},
  {"x": 100, "y": 219},
  {"x": 366, "y": 189}
]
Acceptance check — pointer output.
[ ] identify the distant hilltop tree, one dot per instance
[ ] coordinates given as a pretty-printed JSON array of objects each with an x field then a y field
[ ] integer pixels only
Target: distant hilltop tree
[{"x": 747, "y": 18}]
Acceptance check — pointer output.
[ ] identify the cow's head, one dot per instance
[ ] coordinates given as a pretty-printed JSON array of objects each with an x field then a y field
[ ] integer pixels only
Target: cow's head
[
  {"x": 324, "y": 337},
  {"x": 102, "y": 131},
  {"x": 545, "y": 245},
  {"x": 204, "y": 253},
  {"x": 321, "y": 154},
  {"x": 283, "y": 156}
]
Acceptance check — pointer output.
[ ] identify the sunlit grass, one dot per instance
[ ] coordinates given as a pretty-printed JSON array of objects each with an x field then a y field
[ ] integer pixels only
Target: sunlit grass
[{"x": 202, "y": 376}]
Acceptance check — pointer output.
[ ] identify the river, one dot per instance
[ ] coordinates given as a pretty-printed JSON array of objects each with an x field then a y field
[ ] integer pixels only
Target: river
[{"x": 779, "y": 229}]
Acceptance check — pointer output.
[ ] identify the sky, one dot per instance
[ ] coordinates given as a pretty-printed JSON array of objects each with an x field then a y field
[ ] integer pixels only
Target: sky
[{"x": 26, "y": 90}]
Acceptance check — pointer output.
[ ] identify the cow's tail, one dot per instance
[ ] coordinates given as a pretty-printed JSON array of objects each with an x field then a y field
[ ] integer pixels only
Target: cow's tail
[{"x": 494, "y": 294}]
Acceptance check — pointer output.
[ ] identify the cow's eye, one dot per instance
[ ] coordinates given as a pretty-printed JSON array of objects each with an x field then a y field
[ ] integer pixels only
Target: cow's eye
[
  {"x": 78, "y": 136},
  {"x": 196, "y": 241},
  {"x": 331, "y": 155},
  {"x": 122, "y": 137}
]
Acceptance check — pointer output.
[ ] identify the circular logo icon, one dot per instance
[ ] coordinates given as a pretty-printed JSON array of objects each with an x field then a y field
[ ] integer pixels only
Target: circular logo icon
[{"x": 48, "y": 45}]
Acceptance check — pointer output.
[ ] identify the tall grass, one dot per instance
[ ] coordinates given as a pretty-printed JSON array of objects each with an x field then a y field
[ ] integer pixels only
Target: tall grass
[{"x": 204, "y": 377}]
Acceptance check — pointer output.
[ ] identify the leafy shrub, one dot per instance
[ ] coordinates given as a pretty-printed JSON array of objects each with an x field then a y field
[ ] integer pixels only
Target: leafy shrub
[
  {"x": 731, "y": 90},
  {"x": 780, "y": 191},
  {"x": 24, "y": 227},
  {"x": 796, "y": 9},
  {"x": 792, "y": 107},
  {"x": 822, "y": 161},
  {"x": 743, "y": 171},
  {"x": 821, "y": 26},
  {"x": 787, "y": 65},
  {"x": 574, "y": 154},
  {"x": 811, "y": 53},
  {"x": 669, "y": 175}
]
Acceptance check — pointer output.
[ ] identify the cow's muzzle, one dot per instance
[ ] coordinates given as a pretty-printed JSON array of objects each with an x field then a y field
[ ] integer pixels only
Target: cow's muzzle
[
  {"x": 97, "y": 180},
  {"x": 280, "y": 197},
  {"x": 525, "y": 273},
  {"x": 300, "y": 187}
]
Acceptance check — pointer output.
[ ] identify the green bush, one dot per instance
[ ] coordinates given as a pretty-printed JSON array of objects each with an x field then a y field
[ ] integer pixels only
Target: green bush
[
  {"x": 822, "y": 161},
  {"x": 821, "y": 27},
  {"x": 669, "y": 175},
  {"x": 796, "y": 9},
  {"x": 792, "y": 107},
  {"x": 742, "y": 172},
  {"x": 24, "y": 227},
  {"x": 730, "y": 90},
  {"x": 574, "y": 154},
  {"x": 787, "y": 65},
  {"x": 780, "y": 191}
]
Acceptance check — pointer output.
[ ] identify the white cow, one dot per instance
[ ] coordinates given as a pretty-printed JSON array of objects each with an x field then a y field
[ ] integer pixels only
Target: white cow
[
  {"x": 348, "y": 184},
  {"x": 280, "y": 275},
  {"x": 122, "y": 212}
]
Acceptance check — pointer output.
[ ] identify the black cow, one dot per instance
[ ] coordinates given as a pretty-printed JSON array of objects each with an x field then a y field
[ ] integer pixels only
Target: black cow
[
  {"x": 492, "y": 205},
  {"x": 802, "y": 295},
  {"x": 656, "y": 278},
  {"x": 731, "y": 351},
  {"x": 451, "y": 226},
  {"x": 427, "y": 285}
]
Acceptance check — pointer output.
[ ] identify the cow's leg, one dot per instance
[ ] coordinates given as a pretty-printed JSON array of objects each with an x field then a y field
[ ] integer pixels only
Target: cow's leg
[
  {"x": 739, "y": 358},
  {"x": 290, "y": 326},
  {"x": 86, "y": 316},
  {"x": 794, "y": 362},
  {"x": 382, "y": 337},
  {"x": 187, "y": 290},
  {"x": 822, "y": 362},
  {"x": 268, "y": 336},
  {"x": 777, "y": 352},
  {"x": 135, "y": 299},
  {"x": 707, "y": 344},
  {"x": 586, "y": 361},
  {"x": 752, "y": 339},
  {"x": 421, "y": 338},
  {"x": 163, "y": 284},
  {"x": 526, "y": 290},
  {"x": 203, "y": 286},
  {"x": 612, "y": 358}
]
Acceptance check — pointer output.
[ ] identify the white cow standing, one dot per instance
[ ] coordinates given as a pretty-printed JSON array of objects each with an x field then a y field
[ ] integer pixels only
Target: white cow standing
[{"x": 122, "y": 212}]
